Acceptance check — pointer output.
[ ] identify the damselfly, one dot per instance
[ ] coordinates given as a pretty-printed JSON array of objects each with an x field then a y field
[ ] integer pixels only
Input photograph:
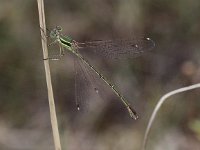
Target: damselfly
[{"x": 111, "y": 48}]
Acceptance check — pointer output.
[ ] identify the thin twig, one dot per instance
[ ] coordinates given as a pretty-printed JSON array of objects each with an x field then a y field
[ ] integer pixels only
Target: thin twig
[
  {"x": 160, "y": 102},
  {"x": 48, "y": 76}
]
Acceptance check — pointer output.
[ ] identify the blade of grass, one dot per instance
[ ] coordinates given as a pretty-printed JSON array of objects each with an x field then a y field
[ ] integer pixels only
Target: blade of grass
[
  {"x": 158, "y": 106},
  {"x": 54, "y": 123}
]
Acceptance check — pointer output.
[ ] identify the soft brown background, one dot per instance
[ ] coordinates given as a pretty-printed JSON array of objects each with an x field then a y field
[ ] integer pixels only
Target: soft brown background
[{"x": 173, "y": 63}]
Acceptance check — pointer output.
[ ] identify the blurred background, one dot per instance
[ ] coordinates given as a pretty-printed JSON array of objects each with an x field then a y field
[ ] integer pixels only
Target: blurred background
[{"x": 173, "y": 63}]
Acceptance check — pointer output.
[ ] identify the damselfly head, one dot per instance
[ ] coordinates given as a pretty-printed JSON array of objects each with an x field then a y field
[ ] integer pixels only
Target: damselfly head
[
  {"x": 59, "y": 28},
  {"x": 55, "y": 32}
]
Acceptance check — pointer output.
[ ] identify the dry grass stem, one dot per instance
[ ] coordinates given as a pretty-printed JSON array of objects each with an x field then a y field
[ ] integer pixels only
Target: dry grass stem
[
  {"x": 48, "y": 76},
  {"x": 160, "y": 102}
]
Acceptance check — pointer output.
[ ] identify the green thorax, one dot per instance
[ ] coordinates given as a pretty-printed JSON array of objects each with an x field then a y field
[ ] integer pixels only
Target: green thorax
[{"x": 66, "y": 41}]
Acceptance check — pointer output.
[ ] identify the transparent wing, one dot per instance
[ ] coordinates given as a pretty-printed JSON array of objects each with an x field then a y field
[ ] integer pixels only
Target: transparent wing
[
  {"x": 82, "y": 86},
  {"x": 117, "y": 49},
  {"x": 88, "y": 88}
]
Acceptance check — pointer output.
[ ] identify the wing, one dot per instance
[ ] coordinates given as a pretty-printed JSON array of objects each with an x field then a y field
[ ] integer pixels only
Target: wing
[
  {"x": 82, "y": 86},
  {"x": 119, "y": 49},
  {"x": 89, "y": 89}
]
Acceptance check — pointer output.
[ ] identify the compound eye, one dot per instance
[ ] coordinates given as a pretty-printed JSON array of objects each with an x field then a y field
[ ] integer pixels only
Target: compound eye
[{"x": 59, "y": 28}]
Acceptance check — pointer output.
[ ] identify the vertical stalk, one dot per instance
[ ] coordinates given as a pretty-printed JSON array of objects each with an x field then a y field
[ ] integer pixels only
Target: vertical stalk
[{"x": 53, "y": 117}]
